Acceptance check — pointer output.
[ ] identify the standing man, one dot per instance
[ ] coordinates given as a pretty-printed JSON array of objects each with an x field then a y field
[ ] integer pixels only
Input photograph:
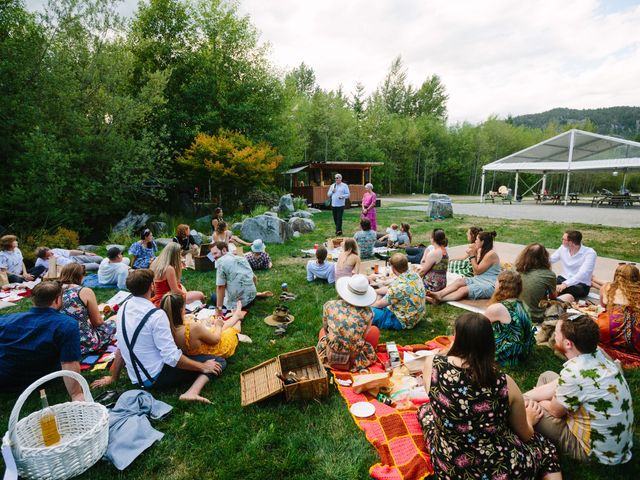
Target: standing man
[
  {"x": 577, "y": 263},
  {"x": 234, "y": 278},
  {"x": 339, "y": 193}
]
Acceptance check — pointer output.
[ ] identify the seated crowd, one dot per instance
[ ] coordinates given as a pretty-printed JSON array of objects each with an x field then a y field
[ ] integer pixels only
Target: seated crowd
[{"x": 584, "y": 411}]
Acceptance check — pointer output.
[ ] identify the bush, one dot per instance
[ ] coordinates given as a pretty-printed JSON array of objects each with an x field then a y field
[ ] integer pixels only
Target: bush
[
  {"x": 299, "y": 203},
  {"x": 61, "y": 238},
  {"x": 259, "y": 210},
  {"x": 255, "y": 198}
]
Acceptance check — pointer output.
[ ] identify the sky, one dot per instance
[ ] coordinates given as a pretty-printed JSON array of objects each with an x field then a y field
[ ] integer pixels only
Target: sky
[{"x": 495, "y": 57}]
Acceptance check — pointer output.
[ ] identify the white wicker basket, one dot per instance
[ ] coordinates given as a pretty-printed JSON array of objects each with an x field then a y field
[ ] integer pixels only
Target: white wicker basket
[{"x": 84, "y": 432}]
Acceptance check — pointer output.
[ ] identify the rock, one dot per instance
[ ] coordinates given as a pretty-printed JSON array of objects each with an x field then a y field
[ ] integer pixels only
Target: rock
[
  {"x": 205, "y": 219},
  {"x": 313, "y": 211},
  {"x": 158, "y": 227},
  {"x": 302, "y": 225},
  {"x": 271, "y": 214},
  {"x": 121, "y": 247},
  {"x": 89, "y": 248},
  {"x": 197, "y": 237},
  {"x": 274, "y": 209},
  {"x": 236, "y": 226},
  {"x": 163, "y": 242},
  {"x": 269, "y": 229},
  {"x": 302, "y": 214},
  {"x": 296, "y": 234},
  {"x": 439, "y": 206},
  {"x": 131, "y": 223},
  {"x": 285, "y": 205}
]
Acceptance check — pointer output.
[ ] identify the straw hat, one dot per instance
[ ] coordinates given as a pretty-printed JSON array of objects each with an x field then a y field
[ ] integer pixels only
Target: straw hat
[
  {"x": 257, "y": 246},
  {"x": 356, "y": 290},
  {"x": 280, "y": 316}
]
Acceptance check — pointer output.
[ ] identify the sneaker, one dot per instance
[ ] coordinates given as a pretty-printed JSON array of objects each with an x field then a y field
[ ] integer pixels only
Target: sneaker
[{"x": 381, "y": 256}]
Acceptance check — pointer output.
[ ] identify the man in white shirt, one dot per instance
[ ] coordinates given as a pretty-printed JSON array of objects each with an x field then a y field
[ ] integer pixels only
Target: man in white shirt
[
  {"x": 114, "y": 269},
  {"x": 578, "y": 263},
  {"x": 63, "y": 257},
  {"x": 339, "y": 194},
  {"x": 148, "y": 349}
]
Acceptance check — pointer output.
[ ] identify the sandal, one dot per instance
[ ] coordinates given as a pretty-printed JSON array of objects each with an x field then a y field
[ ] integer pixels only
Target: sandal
[
  {"x": 281, "y": 330},
  {"x": 286, "y": 296}
]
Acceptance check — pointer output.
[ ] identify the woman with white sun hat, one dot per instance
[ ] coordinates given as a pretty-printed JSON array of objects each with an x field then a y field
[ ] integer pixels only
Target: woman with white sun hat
[{"x": 348, "y": 341}]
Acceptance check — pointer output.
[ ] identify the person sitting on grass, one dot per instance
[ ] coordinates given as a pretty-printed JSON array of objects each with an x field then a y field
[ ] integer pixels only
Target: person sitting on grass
[
  {"x": 114, "y": 269},
  {"x": 197, "y": 338},
  {"x": 39, "y": 342},
  {"x": 80, "y": 304},
  {"x": 187, "y": 243},
  {"x": 390, "y": 238},
  {"x": 168, "y": 274},
  {"x": 320, "y": 268},
  {"x": 476, "y": 424},
  {"x": 401, "y": 305},
  {"x": 235, "y": 280},
  {"x": 12, "y": 262},
  {"x": 538, "y": 280},
  {"x": 512, "y": 329},
  {"x": 433, "y": 267},
  {"x": 486, "y": 267},
  {"x": 365, "y": 238},
  {"x": 462, "y": 266},
  {"x": 620, "y": 322},
  {"x": 578, "y": 262},
  {"x": 258, "y": 257},
  {"x": 404, "y": 237},
  {"x": 348, "y": 340},
  {"x": 348, "y": 262},
  {"x": 143, "y": 252},
  {"x": 222, "y": 234},
  {"x": 587, "y": 409},
  {"x": 218, "y": 216},
  {"x": 63, "y": 257},
  {"x": 146, "y": 346}
]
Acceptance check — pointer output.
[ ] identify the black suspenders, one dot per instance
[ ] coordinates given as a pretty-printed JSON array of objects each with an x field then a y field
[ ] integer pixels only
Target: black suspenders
[{"x": 135, "y": 361}]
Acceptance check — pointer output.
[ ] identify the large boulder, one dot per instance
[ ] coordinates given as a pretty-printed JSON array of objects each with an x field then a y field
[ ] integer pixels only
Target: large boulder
[
  {"x": 285, "y": 205},
  {"x": 302, "y": 214},
  {"x": 302, "y": 225},
  {"x": 236, "y": 226},
  {"x": 269, "y": 229},
  {"x": 205, "y": 219},
  {"x": 158, "y": 228},
  {"x": 197, "y": 237},
  {"x": 131, "y": 222},
  {"x": 313, "y": 211},
  {"x": 439, "y": 206},
  {"x": 271, "y": 214},
  {"x": 121, "y": 247},
  {"x": 89, "y": 248}
]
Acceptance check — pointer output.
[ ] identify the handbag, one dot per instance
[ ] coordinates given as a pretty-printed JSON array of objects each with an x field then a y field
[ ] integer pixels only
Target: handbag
[{"x": 327, "y": 202}]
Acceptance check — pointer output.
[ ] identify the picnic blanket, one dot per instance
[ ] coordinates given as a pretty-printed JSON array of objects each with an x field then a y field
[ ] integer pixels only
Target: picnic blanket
[
  {"x": 627, "y": 359},
  {"x": 98, "y": 360},
  {"x": 91, "y": 281},
  {"x": 395, "y": 434}
]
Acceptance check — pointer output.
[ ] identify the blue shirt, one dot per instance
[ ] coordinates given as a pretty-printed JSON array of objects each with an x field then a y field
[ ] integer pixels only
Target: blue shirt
[
  {"x": 325, "y": 271},
  {"x": 336, "y": 191},
  {"x": 366, "y": 241},
  {"x": 143, "y": 254},
  {"x": 34, "y": 343},
  {"x": 235, "y": 273}
]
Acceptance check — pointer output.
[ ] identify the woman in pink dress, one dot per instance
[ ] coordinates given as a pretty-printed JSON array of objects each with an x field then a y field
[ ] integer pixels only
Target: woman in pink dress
[{"x": 369, "y": 206}]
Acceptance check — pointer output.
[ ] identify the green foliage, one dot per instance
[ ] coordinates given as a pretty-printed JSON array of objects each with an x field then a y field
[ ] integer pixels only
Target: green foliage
[
  {"x": 259, "y": 197},
  {"x": 300, "y": 203},
  {"x": 259, "y": 210},
  {"x": 59, "y": 238}
]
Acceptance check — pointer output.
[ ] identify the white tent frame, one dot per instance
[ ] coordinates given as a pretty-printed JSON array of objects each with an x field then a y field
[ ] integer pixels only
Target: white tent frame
[{"x": 568, "y": 152}]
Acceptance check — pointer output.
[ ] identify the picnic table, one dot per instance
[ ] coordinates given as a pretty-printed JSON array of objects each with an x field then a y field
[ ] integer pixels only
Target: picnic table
[
  {"x": 615, "y": 200},
  {"x": 557, "y": 198}
]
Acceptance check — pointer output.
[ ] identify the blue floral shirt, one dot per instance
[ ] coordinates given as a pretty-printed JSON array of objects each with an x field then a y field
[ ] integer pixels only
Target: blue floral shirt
[{"x": 143, "y": 254}]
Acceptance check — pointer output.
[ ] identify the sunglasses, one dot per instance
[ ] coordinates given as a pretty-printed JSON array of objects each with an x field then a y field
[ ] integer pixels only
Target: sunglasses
[
  {"x": 626, "y": 263},
  {"x": 574, "y": 317}
]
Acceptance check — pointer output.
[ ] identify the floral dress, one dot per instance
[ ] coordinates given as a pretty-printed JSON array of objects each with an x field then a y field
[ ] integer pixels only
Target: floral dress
[
  {"x": 467, "y": 433},
  {"x": 514, "y": 340},
  {"x": 345, "y": 326},
  {"x": 92, "y": 339},
  {"x": 436, "y": 278},
  {"x": 144, "y": 255}
]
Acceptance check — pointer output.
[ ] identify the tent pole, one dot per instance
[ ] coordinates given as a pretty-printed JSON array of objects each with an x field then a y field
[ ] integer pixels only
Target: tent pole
[
  {"x": 571, "y": 143},
  {"x": 624, "y": 181},
  {"x": 482, "y": 188},
  {"x": 544, "y": 183},
  {"x": 515, "y": 193}
]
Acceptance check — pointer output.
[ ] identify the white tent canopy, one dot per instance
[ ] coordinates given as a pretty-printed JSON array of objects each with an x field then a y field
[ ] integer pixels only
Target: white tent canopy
[{"x": 571, "y": 151}]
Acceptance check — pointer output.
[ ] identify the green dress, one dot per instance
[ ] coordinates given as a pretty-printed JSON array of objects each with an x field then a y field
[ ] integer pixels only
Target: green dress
[{"x": 514, "y": 340}]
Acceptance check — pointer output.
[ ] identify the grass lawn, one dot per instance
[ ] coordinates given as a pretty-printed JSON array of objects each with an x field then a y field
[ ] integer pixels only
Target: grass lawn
[{"x": 319, "y": 439}]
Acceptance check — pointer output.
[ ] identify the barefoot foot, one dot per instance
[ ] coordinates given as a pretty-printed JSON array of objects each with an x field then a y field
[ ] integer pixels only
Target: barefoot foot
[{"x": 192, "y": 397}]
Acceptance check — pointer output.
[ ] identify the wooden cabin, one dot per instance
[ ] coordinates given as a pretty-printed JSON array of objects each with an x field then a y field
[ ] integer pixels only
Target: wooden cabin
[{"x": 312, "y": 180}]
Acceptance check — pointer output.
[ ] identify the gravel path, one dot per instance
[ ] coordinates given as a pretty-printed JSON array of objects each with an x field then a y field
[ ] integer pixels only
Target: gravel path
[{"x": 613, "y": 217}]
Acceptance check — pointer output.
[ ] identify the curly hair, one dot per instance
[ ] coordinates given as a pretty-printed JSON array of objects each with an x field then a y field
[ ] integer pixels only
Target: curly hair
[
  {"x": 510, "y": 286},
  {"x": 627, "y": 280}
]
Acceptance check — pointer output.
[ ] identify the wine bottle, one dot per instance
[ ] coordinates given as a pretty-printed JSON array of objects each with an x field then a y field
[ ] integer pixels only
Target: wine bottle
[{"x": 48, "y": 424}]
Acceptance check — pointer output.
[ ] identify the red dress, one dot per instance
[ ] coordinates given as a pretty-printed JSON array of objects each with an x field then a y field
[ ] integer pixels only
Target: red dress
[{"x": 161, "y": 287}]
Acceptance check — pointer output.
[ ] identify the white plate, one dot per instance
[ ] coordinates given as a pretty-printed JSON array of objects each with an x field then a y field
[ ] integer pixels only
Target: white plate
[
  {"x": 362, "y": 409},
  {"x": 426, "y": 353}
]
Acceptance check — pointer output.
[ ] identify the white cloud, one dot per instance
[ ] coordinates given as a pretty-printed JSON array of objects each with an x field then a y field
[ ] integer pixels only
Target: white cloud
[{"x": 494, "y": 56}]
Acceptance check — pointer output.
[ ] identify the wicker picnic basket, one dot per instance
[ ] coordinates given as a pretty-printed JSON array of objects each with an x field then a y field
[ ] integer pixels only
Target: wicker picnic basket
[{"x": 84, "y": 432}]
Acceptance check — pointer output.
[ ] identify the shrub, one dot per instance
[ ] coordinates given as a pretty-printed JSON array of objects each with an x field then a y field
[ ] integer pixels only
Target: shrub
[
  {"x": 61, "y": 238},
  {"x": 300, "y": 203},
  {"x": 259, "y": 210},
  {"x": 256, "y": 197}
]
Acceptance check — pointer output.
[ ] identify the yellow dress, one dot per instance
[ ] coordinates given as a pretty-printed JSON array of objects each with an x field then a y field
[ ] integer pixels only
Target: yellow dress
[{"x": 224, "y": 348}]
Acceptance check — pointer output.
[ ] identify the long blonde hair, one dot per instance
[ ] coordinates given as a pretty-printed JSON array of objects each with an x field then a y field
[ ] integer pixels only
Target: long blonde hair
[
  {"x": 627, "y": 280},
  {"x": 170, "y": 256}
]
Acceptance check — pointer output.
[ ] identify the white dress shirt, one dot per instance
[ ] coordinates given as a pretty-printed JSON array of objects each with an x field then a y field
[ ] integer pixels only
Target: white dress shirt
[
  {"x": 339, "y": 194},
  {"x": 576, "y": 268},
  {"x": 63, "y": 257},
  {"x": 155, "y": 345}
]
